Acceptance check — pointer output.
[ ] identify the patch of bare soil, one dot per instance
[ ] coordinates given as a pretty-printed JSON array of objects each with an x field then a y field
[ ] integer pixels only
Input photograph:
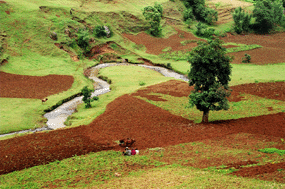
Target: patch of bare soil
[
  {"x": 36, "y": 87},
  {"x": 261, "y": 170},
  {"x": 172, "y": 87},
  {"x": 272, "y": 51},
  {"x": 156, "y": 45},
  {"x": 274, "y": 90},
  {"x": 100, "y": 50}
]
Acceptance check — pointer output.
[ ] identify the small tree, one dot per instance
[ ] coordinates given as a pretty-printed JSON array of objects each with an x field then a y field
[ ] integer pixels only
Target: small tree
[
  {"x": 242, "y": 20},
  {"x": 83, "y": 39},
  {"x": 246, "y": 59},
  {"x": 87, "y": 97},
  {"x": 154, "y": 14},
  {"x": 209, "y": 74}
]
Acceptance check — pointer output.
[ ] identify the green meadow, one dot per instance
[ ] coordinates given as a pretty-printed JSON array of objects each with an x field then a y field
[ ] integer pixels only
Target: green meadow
[{"x": 30, "y": 51}]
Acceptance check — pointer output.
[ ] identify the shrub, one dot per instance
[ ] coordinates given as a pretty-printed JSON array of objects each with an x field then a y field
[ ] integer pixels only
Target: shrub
[
  {"x": 267, "y": 14},
  {"x": 203, "y": 31},
  {"x": 83, "y": 39},
  {"x": 188, "y": 14},
  {"x": 141, "y": 83},
  {"x": 242, "y": 20},
  {"x": 210, "y": 15},
  {"x": 200, "y": 11},
  {"x": 200, "y": 27},
  {"x": 246, "y": 59},
  {"x": 87, "y": 97},
  {"x": 99, "y": 31}
]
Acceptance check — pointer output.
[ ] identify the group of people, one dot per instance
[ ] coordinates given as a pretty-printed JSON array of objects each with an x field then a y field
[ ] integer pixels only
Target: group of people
[{"x": 130, "y": 152}]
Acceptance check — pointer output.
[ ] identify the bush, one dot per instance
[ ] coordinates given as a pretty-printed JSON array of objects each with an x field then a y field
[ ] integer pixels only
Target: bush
[
  {"x": 87, "y": 97},
  {"x": 200, "y": 11},
  {"x": 210, "y": 15},
  {"x": 246, "y": 59},
  {"x": 267, "y": 14},
  {"x": 242, "y": 20},
  {"x": 141, "y": 83},
  {"x": 83, "y": 39},
  {"x": 99, "y": 31},
  {"x": 203, "y": 31},
  {"x": 200, "y": 27},
  {"x": 188, "y": 14}
]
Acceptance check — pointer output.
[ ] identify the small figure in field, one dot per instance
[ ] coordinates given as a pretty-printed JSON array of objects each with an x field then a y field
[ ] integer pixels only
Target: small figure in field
[
  {"x": 44, "y": 100},
  {"x": 133, "y": 152},
  {"x": 137, "y": 151},
  {"x": 127, "y": 152}
]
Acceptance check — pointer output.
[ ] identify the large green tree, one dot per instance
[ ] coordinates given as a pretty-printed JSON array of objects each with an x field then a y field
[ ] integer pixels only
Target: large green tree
[{"x": 210, "y": 75}]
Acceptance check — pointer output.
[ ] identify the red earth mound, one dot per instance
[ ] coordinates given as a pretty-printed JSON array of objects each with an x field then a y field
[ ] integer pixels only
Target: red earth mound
[
  {"x": 36, "y": 87},
  {"x": 156, "y": 45}
]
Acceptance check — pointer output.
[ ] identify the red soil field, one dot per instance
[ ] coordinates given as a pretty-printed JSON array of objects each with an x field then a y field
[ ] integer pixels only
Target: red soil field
[
  {"x": 272, "y": 51},
  {"x": 156, "y": 45},
  {"x": 273, "y": 90},
  {"x": 128, "y": 116},
  {"x": 35, "y": 87}
]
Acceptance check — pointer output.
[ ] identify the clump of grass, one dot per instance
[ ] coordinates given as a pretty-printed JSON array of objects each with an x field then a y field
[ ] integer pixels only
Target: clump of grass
[
  {"x": 141, "y": 83},
  {"x": 187, "y": 42},
  {"x": 272, "y": 150},
  {"x": 167, "y": 49}
]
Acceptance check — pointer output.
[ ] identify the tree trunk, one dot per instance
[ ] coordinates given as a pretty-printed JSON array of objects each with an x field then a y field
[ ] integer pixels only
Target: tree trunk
[{"x": 205, "y": 118}]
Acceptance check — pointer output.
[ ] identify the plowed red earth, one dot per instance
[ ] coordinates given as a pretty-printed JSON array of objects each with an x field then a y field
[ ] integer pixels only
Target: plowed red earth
[
  {"x": 151, "y": 126},
  {"x": 272, "y": 51},
  {"x": 156, "y": 45},
  {"x": 36, "y": 87}
]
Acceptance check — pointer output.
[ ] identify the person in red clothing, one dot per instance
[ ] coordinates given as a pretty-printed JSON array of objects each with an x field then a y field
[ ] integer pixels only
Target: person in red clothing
[{"x": 133, "y": 151}]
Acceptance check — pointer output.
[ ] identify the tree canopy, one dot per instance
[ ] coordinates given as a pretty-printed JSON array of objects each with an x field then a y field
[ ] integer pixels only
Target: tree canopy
[{"x": 210, "y": 75}]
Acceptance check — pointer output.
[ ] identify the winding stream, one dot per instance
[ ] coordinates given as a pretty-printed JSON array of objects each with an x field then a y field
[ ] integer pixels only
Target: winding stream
[{"x": 58, "y": 116}]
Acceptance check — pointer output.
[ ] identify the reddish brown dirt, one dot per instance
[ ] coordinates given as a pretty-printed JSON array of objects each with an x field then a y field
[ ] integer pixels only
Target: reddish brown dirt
[
  {"x": 128, "y": 116},
  {"x": 230, "y": 46},
  {"x": 176, "y": 88},
  {"x": 8, "y": 12},
  {"x": 272, "y": 51},
  {"x": 37, "y": 87},
  {"x": 125, "y": 117},
  {"x": 156, "y": 45},
  {"x": 259, "y": 170}
]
